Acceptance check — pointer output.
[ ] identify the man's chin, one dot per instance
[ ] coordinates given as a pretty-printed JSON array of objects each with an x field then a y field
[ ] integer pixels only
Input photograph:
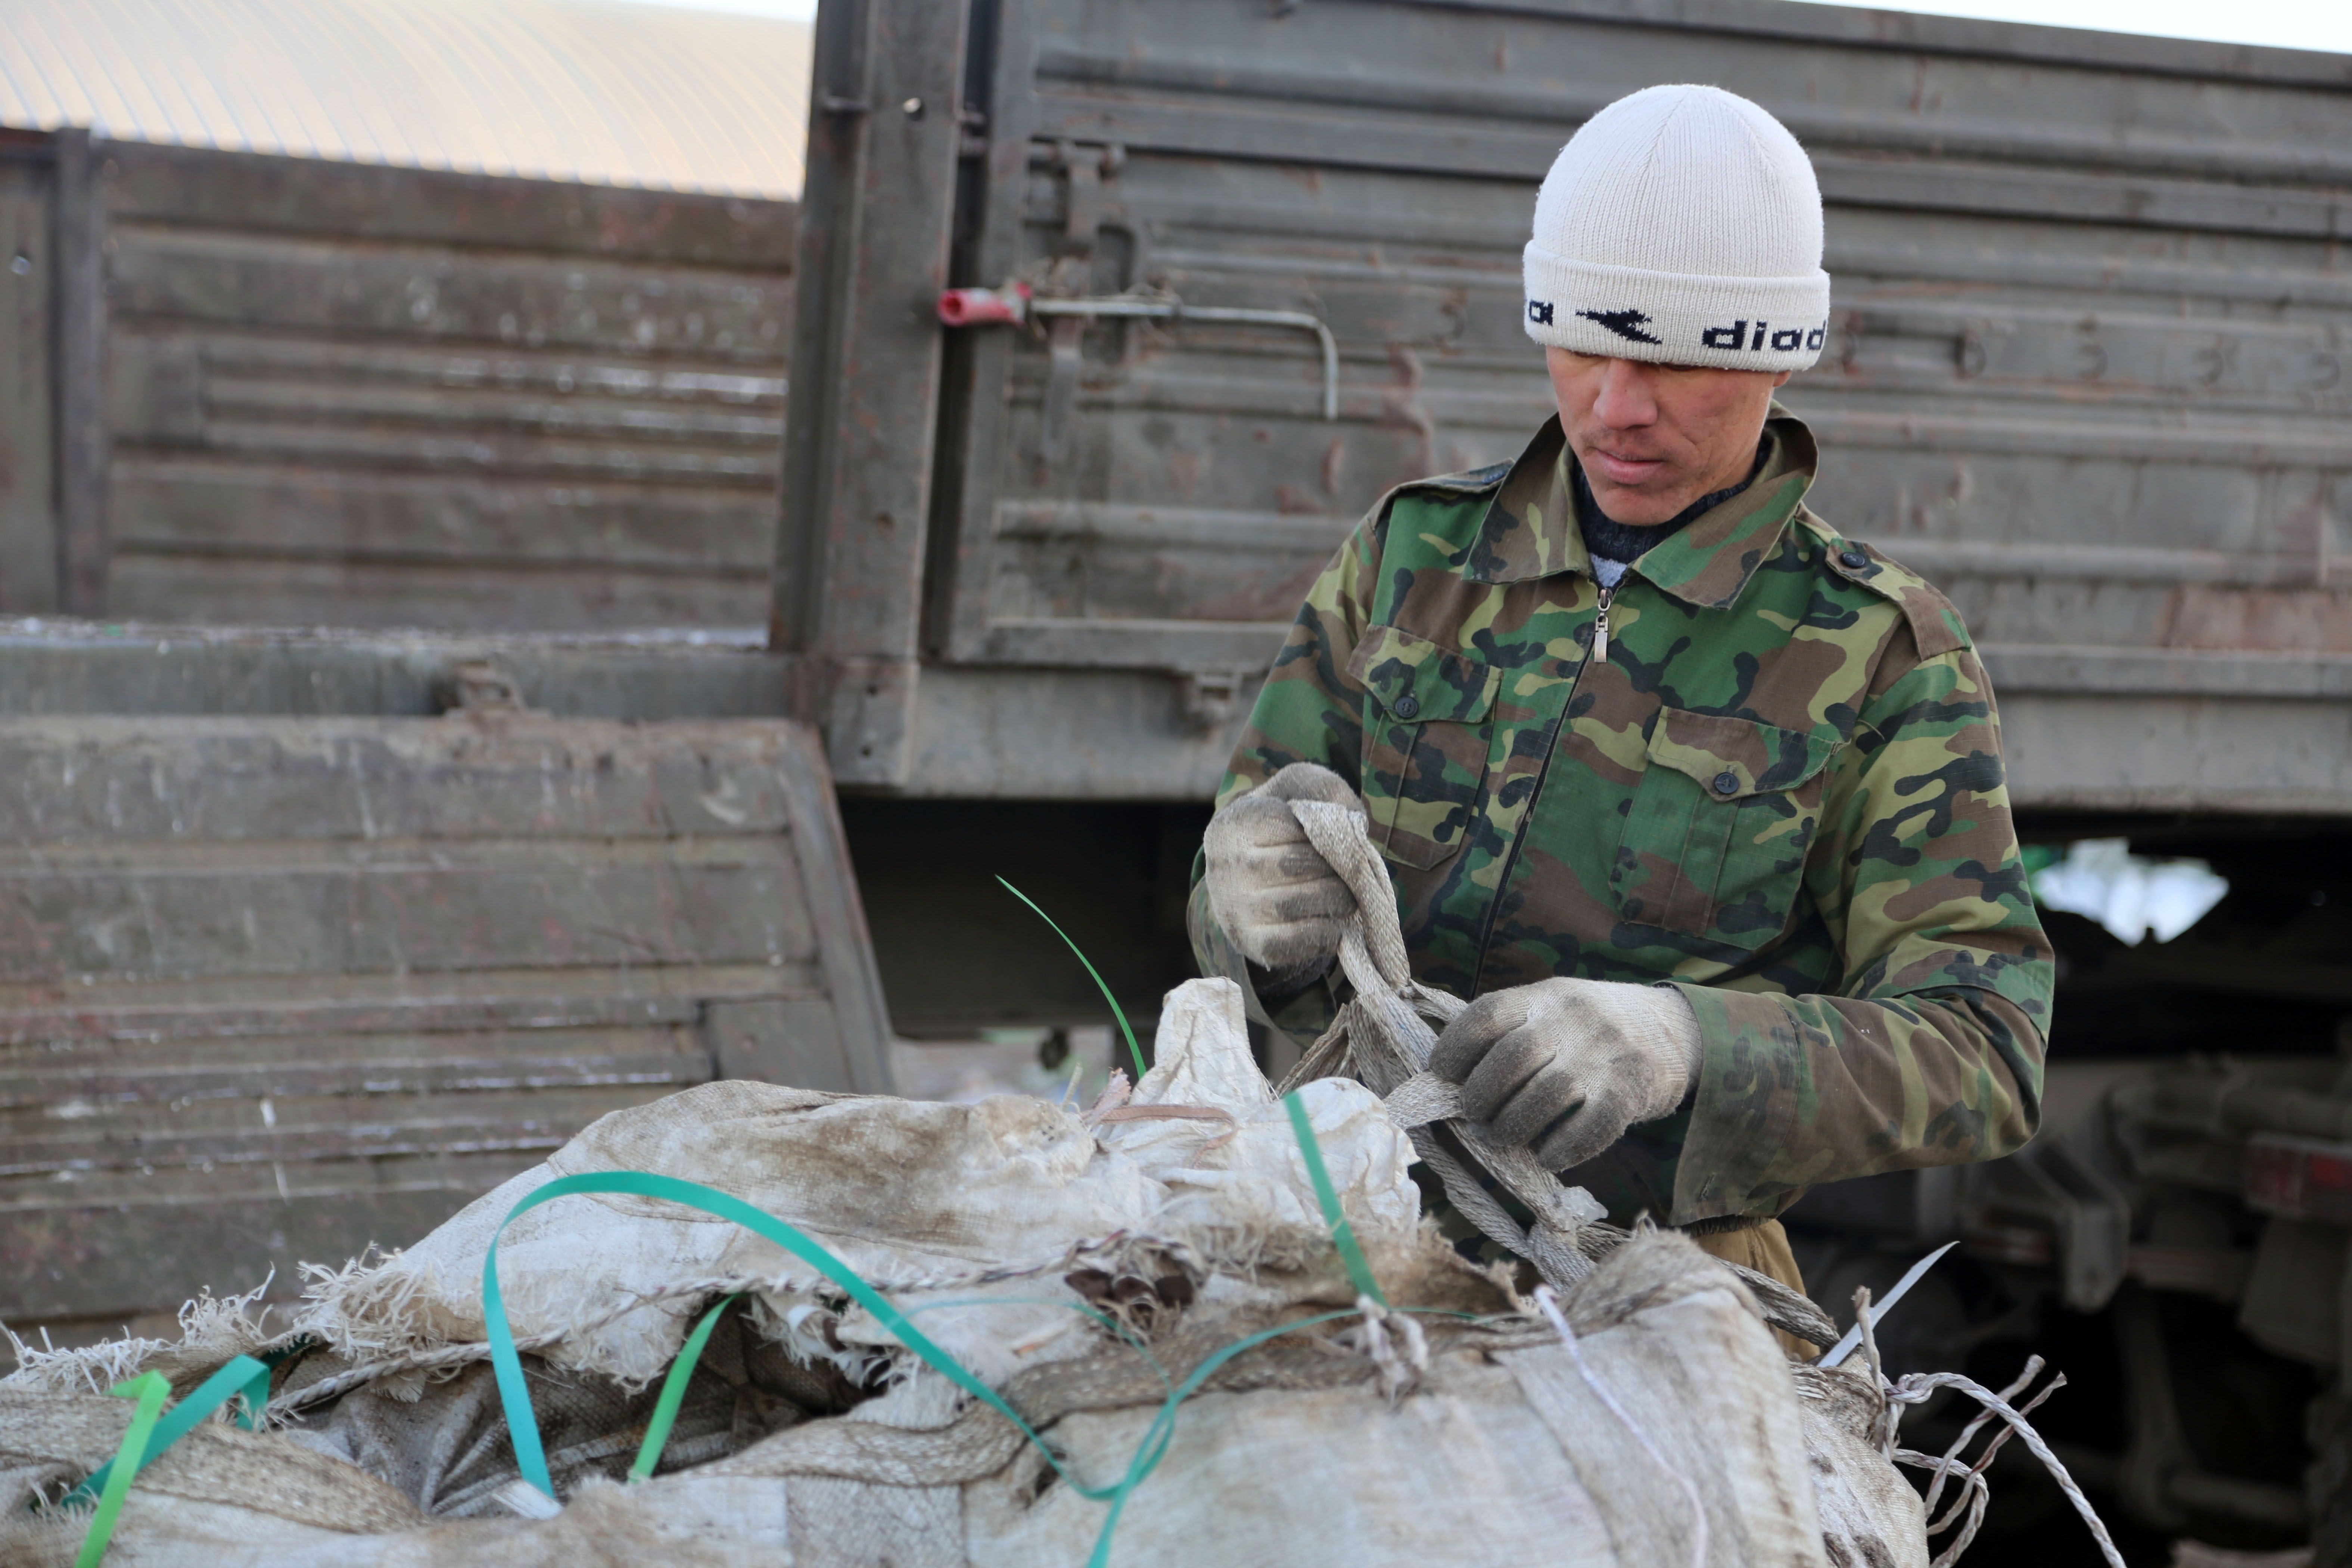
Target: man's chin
[{"x": 1639, "y": 507}]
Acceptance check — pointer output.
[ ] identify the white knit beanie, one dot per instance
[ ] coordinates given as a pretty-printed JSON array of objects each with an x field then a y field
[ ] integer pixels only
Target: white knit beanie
[{"x": 1682, "y": 224}]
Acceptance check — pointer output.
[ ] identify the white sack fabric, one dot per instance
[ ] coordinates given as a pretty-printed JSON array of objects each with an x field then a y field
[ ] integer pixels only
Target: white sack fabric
[{"x": 1181, "y": 1220}]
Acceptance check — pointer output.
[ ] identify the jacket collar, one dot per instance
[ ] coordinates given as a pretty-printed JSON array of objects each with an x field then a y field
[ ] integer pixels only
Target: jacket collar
[{"x": 1530, "y": 529}]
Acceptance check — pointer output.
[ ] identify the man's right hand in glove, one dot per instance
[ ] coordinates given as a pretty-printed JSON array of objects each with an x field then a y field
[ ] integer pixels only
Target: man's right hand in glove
[
  {"x": 1565, "y": 1066},
  {"x": 1279, "y": 902}
]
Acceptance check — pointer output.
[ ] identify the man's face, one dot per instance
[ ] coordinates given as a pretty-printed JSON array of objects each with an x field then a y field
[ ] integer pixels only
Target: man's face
[{"x": 1653, "y": 438}]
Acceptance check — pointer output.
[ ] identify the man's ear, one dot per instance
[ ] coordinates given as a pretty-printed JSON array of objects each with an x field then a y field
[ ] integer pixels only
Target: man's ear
[{"x": 1783, "y": 379}]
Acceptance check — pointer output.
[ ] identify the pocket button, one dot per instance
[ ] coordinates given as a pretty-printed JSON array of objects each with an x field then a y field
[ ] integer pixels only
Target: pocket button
[
  {"x": 1406, "y": 706},
  {"x": 1726, "y": 782}
]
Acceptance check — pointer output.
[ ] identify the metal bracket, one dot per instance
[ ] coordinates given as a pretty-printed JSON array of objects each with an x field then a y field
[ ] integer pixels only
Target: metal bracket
[
  {"x": 1212, "y": 698},
  {"x": 482, "y": 686},
  {"x": 1084, "y": 168},
  {"x": 2086, "y": 1215}
]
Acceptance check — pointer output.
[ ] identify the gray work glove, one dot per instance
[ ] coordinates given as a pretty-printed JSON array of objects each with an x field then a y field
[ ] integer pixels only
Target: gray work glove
[
  {"x": 1566, "y": 1066},
  {"x": 1278, "y": 900}
]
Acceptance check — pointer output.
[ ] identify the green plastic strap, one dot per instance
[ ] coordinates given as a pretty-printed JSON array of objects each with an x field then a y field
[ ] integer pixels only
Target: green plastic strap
[
  {"x": 1162, "y": 1431},
  {"x": 242, "y": 1376},
  {"x": 673, "y": 1394},
  {"x": 1116, "y": 1010},
  {"x": 531, "y": 1457},
  {"x": 522, "y": 1425},
  {"x": 1343, "y": 1234},
  {"x": 150, "y": 1389}
]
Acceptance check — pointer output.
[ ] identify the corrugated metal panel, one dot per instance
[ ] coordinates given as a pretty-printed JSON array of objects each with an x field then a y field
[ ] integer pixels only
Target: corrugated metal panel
[
  {"x": 271, "y": 989},
  {"x": 2088, "y": 369},
  {"x": 621, "y": 94},
  {"x": 388, "y": 397}
]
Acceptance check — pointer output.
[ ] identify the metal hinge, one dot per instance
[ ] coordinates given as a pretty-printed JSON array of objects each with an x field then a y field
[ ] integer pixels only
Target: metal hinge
[
  {"x": 1212, "y": 698},
  {"x": 1083, "y": 167}
]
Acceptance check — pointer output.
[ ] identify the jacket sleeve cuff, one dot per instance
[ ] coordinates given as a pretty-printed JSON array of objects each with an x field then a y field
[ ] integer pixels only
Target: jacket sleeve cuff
[
  {"x": 1798, "y": 1090},
  {"x": 1742, "y": 1122}
]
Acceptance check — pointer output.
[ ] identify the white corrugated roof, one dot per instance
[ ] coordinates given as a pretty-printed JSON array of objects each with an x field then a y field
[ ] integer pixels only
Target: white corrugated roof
[{"x": 580, "y": 89}]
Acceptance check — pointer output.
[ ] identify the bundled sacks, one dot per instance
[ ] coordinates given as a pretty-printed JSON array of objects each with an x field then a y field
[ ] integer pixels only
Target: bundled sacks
[{"x": 1183, "y": 1214}]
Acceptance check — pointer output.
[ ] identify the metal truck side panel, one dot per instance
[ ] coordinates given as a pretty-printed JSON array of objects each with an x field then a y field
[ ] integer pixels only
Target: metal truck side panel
[
  {"x": 2084, "y": 369},
  {"x": 291, "y": 391},
  {"x": 885, "y": 123},
  {"x": 271, "y": 989}
]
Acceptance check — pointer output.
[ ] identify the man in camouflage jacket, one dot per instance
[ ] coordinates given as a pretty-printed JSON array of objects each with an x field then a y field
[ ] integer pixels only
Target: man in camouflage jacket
[{"x": 1763, "y": 770}]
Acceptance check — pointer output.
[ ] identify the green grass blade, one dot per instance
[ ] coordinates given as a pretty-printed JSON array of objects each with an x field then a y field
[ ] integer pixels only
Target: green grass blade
[{"x": 1116, "y": 1010}]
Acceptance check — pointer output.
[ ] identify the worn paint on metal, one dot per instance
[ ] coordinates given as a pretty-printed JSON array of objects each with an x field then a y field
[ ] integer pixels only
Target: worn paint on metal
[
  {"x": 2086, "y": 372},
  {"x": 294, "y": 392},
  {"x": 273, "y": 989},
  {"x": 885, "y": 127}
]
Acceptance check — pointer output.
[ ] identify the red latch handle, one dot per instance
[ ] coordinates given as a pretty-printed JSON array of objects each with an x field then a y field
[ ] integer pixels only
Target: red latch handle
[{"x": 985, "y": 307}]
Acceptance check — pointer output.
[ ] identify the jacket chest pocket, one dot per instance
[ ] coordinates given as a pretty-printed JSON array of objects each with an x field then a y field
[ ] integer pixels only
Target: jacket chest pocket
[
  {"x": 1717, "y": 835},
  {"x": 1428, "y": 724}
]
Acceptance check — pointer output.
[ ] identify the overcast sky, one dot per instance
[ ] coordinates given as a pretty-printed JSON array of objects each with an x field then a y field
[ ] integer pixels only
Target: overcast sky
[{"x": 2295, "y": 23}]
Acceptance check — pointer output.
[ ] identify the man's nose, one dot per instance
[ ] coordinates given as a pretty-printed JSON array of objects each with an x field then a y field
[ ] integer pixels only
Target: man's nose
[{"x": 1625, "y": 401}]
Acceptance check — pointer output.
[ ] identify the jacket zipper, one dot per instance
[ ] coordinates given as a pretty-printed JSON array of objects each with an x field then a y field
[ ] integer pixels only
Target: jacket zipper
[{"x": 1598, "y": 653}]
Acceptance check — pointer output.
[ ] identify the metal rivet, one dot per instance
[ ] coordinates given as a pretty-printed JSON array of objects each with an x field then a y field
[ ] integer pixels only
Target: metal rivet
[
  {"x": 1855, "y": 558},
  {"x": 1407, "y": 706},
  {"x": 1726, "y": 782},
  {"x": 912, "y": 109}
]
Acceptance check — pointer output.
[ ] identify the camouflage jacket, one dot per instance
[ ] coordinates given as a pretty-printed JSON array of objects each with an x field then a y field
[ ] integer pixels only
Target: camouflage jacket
[{"x": 1779, "y": 788}]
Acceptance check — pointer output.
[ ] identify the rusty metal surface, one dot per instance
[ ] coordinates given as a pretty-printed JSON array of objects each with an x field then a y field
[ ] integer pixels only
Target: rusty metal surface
[
  {"x": 2086, "y": 368},
  {"x": 298, "y": 392},
  {"x": 2157, "y": 734},
  {"x": 271, "y": 989},
  {"x": 28, "y": 535},
  {"x": 884, "y": 130}
]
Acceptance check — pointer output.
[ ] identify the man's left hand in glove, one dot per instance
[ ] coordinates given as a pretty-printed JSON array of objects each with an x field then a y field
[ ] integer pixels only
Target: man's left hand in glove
[{"x": 1566, "y": 1066}]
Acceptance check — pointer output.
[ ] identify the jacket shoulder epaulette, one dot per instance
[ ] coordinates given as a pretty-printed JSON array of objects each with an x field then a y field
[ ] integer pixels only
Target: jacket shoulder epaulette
[
  {"x": 1469, "y": 482},
  {"x": 1935, "y": 622}
]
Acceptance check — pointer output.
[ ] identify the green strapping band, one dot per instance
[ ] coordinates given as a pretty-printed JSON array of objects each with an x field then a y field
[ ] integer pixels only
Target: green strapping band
[
  {"x": 242, "y": 1377},
  {"x": 531, "y": 1457},
  {"x": 1343, "y": 1234},
  {"x": 673, "y": 1394},
  {"x": 523, "y": 1426},
  {"x": 150, "y": 1389}
]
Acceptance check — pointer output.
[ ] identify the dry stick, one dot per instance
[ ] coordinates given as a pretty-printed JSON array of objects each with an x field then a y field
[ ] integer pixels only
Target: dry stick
[
  {"x": 1889, "y": 1415},
  {"x": 1546, "y": 1299}
]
